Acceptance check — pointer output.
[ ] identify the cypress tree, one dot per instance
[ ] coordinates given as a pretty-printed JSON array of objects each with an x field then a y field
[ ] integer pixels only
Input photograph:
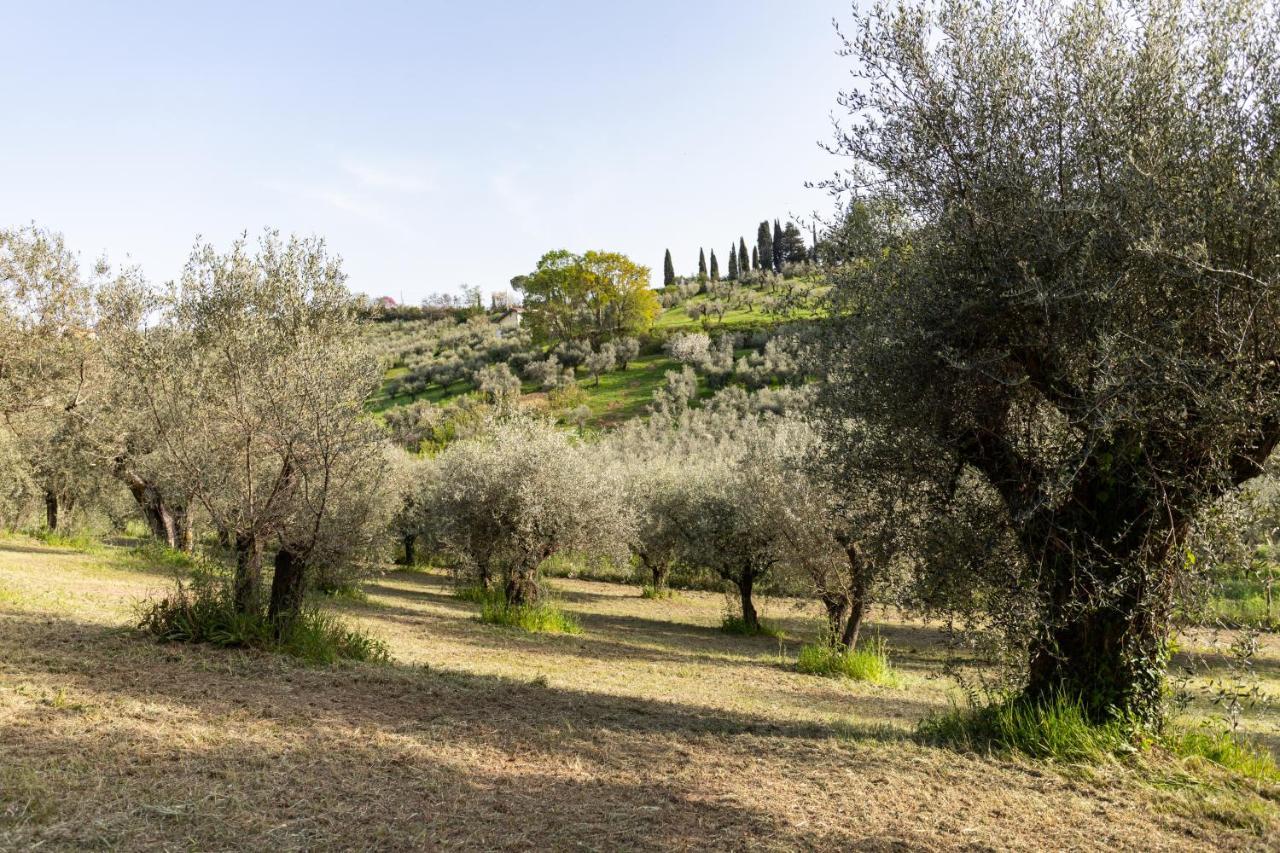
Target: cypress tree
[
  {"x": 779, "y": 248},
  {"x": 668, "y": 271},
  {"x": 715, "y": 267},
  {"x": 733, "y": 263},
  {"x": 755, "y": 258},
  {"x": 764, "y": 242},
  {"x": 744, "y": 260},
  {"x": 793, "y": 248},
  {"x": 702, "y": 265}
]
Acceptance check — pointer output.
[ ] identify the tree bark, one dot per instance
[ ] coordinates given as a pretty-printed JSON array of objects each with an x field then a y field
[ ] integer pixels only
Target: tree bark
[
  {"x": 408, "y": 540},
  {"x": 859, "y": 583},
  {"x": 661, "y": 574},
  {"x": 746, "y": 581},
  {"x": 522, "y": 587},
  {"x": 288, "y": 587},
  {"x": 184, "y": 534},
  {"x": 51, "y": 510},
  {"x": 248, "y": 580}
]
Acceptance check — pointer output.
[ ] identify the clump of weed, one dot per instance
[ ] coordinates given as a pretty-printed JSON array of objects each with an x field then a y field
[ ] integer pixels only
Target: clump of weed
[
  {"x": 542, "y": 618},
  {"x": 656, "y": 592},
  {"x": 737, "y": 625},
  {"x": 868, "y": 662},
  {"x": 203, "y": 611}
]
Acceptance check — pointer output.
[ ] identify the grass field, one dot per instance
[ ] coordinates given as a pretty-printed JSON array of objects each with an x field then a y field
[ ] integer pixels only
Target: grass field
[{"x": 649, "y": 730}]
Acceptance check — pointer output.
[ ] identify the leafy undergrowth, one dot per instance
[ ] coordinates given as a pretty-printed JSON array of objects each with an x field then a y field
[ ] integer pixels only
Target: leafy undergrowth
[
  {"x": 869, "y": 662},
  {"x": 541, "y": 618},
  {"x": 203, "y": 611},
  {"x": 656, "y": 592},
  {"x": 737, "y": 625}
]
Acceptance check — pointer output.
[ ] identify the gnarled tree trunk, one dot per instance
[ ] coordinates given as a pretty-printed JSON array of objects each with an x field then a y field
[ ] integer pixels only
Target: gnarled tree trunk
[
  {"x": 51, "y": 510},
  {"x": 408, "y": 541}
]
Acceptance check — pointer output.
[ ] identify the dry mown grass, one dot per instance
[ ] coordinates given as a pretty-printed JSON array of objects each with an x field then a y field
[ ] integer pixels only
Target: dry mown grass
[{"x": 650, "y": 730}]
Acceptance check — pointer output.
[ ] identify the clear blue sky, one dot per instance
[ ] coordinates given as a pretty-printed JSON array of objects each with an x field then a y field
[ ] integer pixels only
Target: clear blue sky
[{"x": 432, "y": 144}]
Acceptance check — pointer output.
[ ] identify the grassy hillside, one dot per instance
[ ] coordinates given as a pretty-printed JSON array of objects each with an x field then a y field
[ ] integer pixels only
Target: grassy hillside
[
  {"x": 649, "y": 729},
  {"x": 620, "y": 394}
]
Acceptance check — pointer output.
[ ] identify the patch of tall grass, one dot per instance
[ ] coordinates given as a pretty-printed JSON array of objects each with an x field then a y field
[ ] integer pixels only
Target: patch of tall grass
[
  {"x": 868, "y": 662},
  {"x": 732, "y": 624},
  {"x": 203, "y": 611},
  {"x": 541, "y": 618},
  {"x": 477, "y": 593},
  {"x": 1056, "y": 729}
]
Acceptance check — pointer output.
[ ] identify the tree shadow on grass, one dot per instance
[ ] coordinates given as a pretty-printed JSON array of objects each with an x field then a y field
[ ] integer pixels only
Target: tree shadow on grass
[{"x": 139, "y": 745}]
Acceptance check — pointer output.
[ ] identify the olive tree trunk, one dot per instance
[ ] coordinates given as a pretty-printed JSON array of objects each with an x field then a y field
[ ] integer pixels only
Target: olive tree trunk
[
  {"x": 51, "y": 510},
  {"x": 746, "y": 582},
  {"x": 288, "y": 587},
  {"x": 248, "y": 579}
]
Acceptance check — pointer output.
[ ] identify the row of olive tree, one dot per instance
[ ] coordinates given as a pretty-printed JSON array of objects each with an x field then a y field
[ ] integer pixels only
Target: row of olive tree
[{"x": 234, "y": 397}]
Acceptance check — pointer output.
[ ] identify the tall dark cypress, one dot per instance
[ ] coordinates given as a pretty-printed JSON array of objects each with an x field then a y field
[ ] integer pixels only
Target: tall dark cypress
[
  {"x": 779, "y": 248},
  {"x": 668, "y": 271},
  {"x": 764, "y": 242},
  {"x": 702, "y": 265},
  {"x": 755, "y": 258},
  {"x": 744, "y": 260},
  {"x": 733, "y": 263},
  {"x": 715, "y": 267}
]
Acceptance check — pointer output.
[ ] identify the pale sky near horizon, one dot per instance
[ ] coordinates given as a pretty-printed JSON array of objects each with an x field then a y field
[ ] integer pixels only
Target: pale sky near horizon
[{"x": 431, "y": 144}]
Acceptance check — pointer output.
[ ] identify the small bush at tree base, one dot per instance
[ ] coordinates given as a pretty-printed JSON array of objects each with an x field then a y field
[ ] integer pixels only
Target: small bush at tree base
[
  {"x": 1058, "y": 729},
  {"x": 651, "y": 591},
  {"x": 203, "y": 611},
  {"x": 539, "y": 618},
  {"x": 738, "y": 625},
  {"x": 869, "y": 662}
]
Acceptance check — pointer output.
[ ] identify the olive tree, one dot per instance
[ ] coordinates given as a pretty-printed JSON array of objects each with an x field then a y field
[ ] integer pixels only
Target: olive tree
[
  {"x": 520, "y": 493},
  {"x": 252, "y": 381},
  {"x": 1078, "y": 297}
]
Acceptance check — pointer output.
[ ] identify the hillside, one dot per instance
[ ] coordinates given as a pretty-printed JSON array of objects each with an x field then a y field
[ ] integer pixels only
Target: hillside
[{"x": 433, "y": 361}]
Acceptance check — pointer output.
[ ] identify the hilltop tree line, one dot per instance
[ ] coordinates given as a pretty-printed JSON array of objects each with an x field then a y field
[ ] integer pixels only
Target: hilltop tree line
[{"x": 773, "y": 250}]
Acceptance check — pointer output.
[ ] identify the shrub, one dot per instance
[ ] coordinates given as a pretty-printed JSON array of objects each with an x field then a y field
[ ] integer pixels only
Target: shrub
[
  {"x": 732, "y": 624},
  {"x": 541, "y": 618},
  {"x": 1057, "y": 729},
  {"x": 651, "y": 591},
  {"x": 204, "y": 611},
  {"x": 869, "y": 662}
]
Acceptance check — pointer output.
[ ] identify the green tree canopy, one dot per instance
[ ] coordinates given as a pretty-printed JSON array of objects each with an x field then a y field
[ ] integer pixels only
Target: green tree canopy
[{"x": 595, "y": 296}]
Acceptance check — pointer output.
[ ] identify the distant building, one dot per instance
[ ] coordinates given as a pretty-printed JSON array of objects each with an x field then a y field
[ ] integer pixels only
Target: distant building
[{"x": 510, "y": 320}]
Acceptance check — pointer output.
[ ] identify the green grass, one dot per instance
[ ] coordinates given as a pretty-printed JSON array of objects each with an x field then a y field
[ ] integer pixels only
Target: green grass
[
  {"x": 1056, "y": 730},
  {"x": 203, "y": 611},
  {"x": 737, "y": 625},
  {"x": 869, "y": 662},
  {"x": 542, "y": 618},
  {"x": 625, "y": 394},
  {"x": 1220, "y": 748},
  {"x": 477, "y": 594},
  {"x": 656, "y": 592},
  {"x": 61, "y": 539}
]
